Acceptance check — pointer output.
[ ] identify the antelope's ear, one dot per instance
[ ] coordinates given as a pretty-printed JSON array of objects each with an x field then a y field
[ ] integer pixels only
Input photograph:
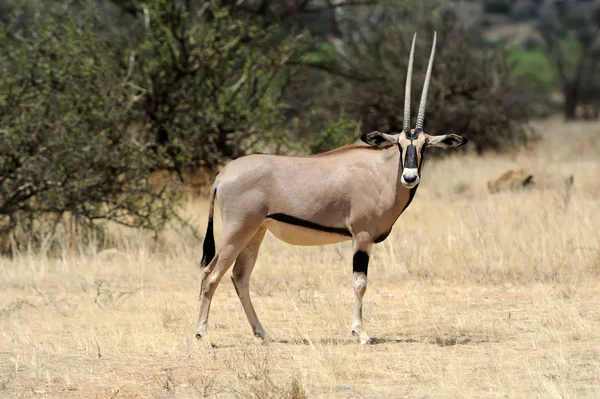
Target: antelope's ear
[
  {"x": 446, "y": 141},
  {"x": 378, "y": 139}
]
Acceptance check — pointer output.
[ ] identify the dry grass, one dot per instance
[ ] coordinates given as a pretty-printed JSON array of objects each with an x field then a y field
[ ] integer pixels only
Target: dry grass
[{"x": 473, "y": 295}]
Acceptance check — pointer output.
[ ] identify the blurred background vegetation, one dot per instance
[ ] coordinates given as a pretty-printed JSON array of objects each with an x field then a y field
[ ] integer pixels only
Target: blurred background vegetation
[{"x": 98, "y": 96}]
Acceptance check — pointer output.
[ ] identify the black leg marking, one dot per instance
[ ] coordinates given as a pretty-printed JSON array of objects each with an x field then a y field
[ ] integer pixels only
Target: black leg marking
[
  {"x": 360, "y": 262},
  {"x": 282, "y": 217}
]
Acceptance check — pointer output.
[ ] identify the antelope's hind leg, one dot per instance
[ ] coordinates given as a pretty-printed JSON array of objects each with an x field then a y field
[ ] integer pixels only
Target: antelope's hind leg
[
  {"x": 240, "y": 276},
  {"x": 231, "y": 246},
  {"x": 360, "y": 264}
]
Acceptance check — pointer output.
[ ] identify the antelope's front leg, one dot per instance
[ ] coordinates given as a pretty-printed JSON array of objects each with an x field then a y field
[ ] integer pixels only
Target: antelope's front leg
[{"x": 360, "y": 264}]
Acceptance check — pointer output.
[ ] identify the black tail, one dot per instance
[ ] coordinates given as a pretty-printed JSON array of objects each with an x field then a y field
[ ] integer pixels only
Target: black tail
[{"x": 208, "y": 246}]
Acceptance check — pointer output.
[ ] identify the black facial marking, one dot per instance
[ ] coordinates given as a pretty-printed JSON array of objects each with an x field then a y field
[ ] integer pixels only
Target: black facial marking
[
  {"x": 400, "y": 149},
  {"x": 382, "y": 237},
  {"x": 411, "y": 157},
  {"x": 414, "y": 134},
  {"x": 282, "y": 217},
  {"x": 422, "y": 153},
  {"x": 360, "y": 262}
]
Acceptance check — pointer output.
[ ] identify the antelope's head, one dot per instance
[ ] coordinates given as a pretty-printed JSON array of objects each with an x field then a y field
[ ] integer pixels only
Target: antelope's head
[{"x": 413, "y": 142}]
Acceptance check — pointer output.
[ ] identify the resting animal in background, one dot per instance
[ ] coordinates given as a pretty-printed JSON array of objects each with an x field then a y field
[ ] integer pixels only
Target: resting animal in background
[
  {"x": 352, "y": 193},
  {"x": 513, "y": 179}
]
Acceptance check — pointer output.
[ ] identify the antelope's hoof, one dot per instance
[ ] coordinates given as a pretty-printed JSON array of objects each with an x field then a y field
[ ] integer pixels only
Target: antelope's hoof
[
  {"x": 364, "y": 338},
  {"x": 200, "y": 332},
  {"x": 264, "y": 337}
]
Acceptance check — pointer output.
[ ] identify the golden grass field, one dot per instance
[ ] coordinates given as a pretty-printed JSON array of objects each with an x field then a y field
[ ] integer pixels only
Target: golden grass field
[{"x": 473, "y": 295}]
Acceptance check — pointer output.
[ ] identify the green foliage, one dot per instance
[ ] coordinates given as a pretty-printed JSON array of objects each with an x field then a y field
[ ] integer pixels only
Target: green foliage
[
  {"x": 570, "y": 37},
  {"x": 87, "y": 115},
  {"x": 339, "y": 133},
  {"x": 324, "y": 52},
  {"x": 574, "y": 20},
  {"x": 67, "y": 145},
  {"x": 571, "y": 48},
  {"x": 471, "y": 91},
  {"x": 533, "y": 66},
  {"x": 96, "y": 96},
  {"x": 205, "y": 82}
]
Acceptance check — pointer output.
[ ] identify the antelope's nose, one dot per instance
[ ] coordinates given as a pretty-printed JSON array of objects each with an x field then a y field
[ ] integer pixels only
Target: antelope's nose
[{"x": 410, "y": 178}]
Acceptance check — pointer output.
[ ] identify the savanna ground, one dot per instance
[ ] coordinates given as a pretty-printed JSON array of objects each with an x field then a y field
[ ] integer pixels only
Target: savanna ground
[{"x": 473, "y": 295}]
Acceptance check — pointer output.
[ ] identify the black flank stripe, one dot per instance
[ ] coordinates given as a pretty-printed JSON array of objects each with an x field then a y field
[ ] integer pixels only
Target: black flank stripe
[{"x": 282, "y": 217}]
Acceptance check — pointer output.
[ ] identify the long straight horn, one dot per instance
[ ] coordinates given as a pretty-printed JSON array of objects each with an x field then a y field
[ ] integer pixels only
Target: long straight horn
[
  {"x": 421, "y": 116},
  {"x": 406, "y": 125}
]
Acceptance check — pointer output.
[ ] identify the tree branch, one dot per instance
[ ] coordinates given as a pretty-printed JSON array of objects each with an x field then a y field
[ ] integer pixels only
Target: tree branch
[
  {"x": 584, "y": 57},
  {"x": 551, "y": 44}
]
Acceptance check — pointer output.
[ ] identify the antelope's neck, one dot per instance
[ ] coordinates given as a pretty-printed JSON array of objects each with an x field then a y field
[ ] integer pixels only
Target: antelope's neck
[{"x": 403, "y": 196}]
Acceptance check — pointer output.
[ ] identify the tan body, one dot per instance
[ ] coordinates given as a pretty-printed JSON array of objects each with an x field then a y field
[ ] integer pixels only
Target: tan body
[
  {"x": 357, "y": 188},
  {"x": 353, "y": 193}
]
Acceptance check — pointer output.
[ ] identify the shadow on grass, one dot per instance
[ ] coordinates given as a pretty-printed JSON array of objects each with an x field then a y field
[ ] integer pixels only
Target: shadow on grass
[
  {"x": 344, "y": 341},
  {"x": 442, "y": 342},
  {"x": 453, "y": 341}
]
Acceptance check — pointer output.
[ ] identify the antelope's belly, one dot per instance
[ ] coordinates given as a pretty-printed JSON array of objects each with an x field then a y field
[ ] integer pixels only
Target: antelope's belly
[{"x": 300, "y": 235}]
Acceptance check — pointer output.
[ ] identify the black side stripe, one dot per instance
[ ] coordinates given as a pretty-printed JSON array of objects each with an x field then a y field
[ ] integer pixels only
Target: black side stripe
[{"x": 282, "y": 217}]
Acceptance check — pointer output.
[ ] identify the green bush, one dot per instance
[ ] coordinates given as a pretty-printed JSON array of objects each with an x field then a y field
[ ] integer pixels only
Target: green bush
[
  {"x": 534, "y": 67},
  {"x": 206, "y": 83},
  {"x": 88, "y": 113},
  {"x": 68, "y": 144},
  {"x": 339, "y": 133}
]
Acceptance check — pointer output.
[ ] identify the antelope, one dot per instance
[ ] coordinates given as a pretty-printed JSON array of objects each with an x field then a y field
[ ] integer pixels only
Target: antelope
[{"x": 351, "y": 193}]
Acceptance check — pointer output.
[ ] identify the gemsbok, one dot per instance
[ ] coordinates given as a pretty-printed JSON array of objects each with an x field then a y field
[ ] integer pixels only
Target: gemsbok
[{"x": 351, "y": 193}]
